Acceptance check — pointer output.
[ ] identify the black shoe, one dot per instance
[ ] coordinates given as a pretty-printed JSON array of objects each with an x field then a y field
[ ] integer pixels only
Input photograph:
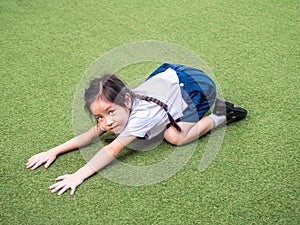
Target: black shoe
[{"x": 231, "y": 111}]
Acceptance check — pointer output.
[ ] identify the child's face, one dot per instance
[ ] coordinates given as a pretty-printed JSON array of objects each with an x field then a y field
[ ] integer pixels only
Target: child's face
[{"x": 112, "y": 117}]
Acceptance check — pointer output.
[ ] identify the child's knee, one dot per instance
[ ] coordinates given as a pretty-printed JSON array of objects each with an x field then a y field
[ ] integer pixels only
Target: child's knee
[{"x": 172, "y": 136}]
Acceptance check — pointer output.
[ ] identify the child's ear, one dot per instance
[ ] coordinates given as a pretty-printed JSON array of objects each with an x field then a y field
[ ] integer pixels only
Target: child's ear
[{"x": 128, "y": 101}]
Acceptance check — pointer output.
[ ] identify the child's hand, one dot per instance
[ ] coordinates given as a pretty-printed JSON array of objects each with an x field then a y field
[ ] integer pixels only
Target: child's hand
[
  {"x": 41, "y": 158},
  {"x": 66, "y": 181}
]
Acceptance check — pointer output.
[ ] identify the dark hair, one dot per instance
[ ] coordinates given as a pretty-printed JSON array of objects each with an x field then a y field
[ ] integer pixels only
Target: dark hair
[
  {"x": 110, "y": 88},
  {"x": 107, "y": 87}
]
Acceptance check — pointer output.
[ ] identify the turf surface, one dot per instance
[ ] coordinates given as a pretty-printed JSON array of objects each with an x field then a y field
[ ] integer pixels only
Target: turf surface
[{"x": 252, "y": 47}]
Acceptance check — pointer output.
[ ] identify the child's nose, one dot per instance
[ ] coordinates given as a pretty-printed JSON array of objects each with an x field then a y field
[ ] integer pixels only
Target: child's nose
[{"x": 109, "y": 122}]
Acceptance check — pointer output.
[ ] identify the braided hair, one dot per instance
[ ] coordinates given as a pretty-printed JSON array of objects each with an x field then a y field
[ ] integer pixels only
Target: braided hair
[
  {"x": 110, "y": 88},
  {"x": 162, "y": 105}
]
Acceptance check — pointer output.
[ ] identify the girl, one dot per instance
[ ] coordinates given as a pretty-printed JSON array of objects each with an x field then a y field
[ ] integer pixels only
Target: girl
[{"x": 173, "y": 100}]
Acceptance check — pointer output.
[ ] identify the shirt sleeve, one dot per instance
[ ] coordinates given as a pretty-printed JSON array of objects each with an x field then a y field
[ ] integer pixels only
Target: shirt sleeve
[
  {"x": 145, "y": 121},
  {"x": 138, "y": 124}
]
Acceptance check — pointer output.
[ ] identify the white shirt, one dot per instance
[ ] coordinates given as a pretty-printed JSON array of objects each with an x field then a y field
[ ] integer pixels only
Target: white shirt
[{"x": 147, "y": 119}]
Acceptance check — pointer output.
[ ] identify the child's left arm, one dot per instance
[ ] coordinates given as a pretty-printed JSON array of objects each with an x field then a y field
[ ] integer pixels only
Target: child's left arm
[{"x": 100, "y": 160}]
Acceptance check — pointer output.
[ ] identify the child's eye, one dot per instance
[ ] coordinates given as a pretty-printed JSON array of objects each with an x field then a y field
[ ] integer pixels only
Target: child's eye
[
  {"x": 111, "y": 112},
  {"x": 99, "y": 118}
]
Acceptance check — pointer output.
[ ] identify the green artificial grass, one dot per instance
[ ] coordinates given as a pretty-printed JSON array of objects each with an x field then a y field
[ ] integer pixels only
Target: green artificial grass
[{"x": 252, "y": 48}]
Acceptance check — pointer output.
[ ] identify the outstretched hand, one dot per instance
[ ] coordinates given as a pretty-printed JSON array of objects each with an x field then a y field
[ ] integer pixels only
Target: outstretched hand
[
  {"x": 65, "y": 182},
  {"x": 41, "y": 158}
]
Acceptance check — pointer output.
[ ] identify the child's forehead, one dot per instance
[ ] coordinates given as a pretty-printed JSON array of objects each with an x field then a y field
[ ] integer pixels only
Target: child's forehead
[{"x": 100, "y": 105}]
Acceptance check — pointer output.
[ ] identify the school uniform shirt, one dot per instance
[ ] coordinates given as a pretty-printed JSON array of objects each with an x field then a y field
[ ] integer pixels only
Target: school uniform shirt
[{"x": 147, "y": 119}]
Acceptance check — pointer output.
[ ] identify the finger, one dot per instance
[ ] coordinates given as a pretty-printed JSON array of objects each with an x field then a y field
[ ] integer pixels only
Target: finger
[
  {"x": 33, "y": 158},
  {"x": 55, "y": 185},
  {"x": 37, "y": 165},
  {"x": 28, "y": 165},
  {"x": 73, "y": 188},
  {"x": 61, "y": 177},
  {"x": 59, "y": 186},
  {"x": 48, "y": 163},
  {"x": 63, "y": 190},
  {"x": 31, "y": 164}
]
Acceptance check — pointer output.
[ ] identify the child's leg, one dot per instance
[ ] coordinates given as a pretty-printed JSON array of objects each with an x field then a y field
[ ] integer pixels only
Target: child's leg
[
  {"x": 190, "y": 131},
  {"x": 224, "y": 111}
]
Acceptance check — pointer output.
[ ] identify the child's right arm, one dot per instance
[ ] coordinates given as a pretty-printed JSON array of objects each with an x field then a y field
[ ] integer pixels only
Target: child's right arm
[{"x": 49, "y": 156}]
